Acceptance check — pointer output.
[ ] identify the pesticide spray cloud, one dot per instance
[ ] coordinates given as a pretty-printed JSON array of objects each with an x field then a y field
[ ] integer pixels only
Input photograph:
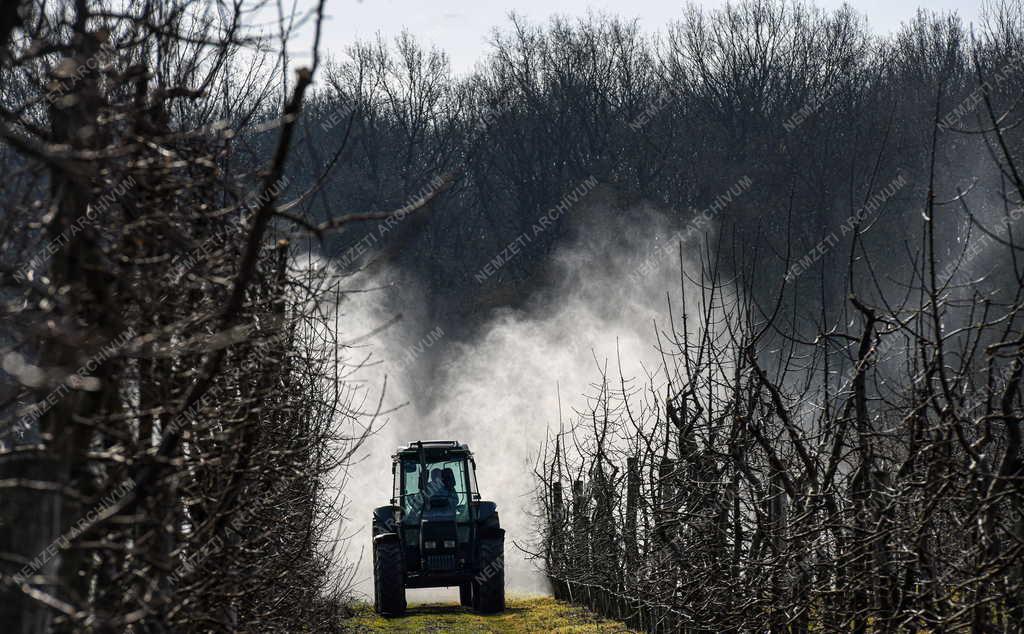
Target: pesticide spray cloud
[{"x": 498, "y": 392}]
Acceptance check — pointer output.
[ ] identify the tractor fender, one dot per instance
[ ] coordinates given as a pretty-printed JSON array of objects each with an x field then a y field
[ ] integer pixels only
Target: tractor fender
[
  {"x": 488, "y": 525},
  {"x": 384, "y": 520},
  {"x": 487, "y": 514},
  {"x": 384, "y": 538},
  {"x": 491, "y": 532}
]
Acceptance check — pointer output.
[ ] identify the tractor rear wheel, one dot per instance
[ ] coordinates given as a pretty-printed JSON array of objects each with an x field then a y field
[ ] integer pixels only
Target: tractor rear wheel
[
  {"x": 466, "y": 594},
  {"x": 388, "y": 583},
  {"x": 489, "y": 583}
]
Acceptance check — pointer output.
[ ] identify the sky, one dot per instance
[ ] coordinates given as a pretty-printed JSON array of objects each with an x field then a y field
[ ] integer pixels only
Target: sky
[{"x": 462, "y": 28}]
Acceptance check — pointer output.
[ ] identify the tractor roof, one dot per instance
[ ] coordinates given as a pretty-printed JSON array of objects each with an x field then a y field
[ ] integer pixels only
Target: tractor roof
[{"x": 432, "y": 445}]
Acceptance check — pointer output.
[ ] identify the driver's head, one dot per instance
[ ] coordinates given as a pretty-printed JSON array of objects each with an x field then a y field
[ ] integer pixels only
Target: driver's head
[
  {"x": 448, "y": 478},
  {"x": 435, "y": 476}
]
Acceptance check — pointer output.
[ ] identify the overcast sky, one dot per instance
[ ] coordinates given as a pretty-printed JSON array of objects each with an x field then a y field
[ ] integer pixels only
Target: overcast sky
[{"x": 462, "y": 27}]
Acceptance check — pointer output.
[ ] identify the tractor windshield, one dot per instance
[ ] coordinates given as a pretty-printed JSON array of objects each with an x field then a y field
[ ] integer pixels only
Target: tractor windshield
[{"x": 438, "y": 476}]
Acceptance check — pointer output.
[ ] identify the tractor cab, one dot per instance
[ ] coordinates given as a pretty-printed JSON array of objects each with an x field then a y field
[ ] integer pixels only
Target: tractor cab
[{"x": 439, "y": 480}]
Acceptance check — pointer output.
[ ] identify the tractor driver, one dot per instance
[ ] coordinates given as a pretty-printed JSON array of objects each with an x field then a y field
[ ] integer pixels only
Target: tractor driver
[
  {"x": 448, "y": 480},
  {"x": 436, "y": 484},
  {"x": 418, "y": 501}
]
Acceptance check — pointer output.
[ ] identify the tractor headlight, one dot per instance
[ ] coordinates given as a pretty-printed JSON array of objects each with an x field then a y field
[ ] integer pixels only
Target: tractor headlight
[
  {"x": 430, "y": 544},
  {"x": 449, "y": 543}
]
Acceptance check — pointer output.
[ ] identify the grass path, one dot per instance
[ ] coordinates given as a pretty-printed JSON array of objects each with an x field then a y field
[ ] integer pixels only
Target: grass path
[{"x": 522, "y": 614}]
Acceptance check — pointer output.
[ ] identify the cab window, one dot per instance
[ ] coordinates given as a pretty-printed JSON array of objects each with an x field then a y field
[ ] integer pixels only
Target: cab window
[{"x": 442, "y": 476}]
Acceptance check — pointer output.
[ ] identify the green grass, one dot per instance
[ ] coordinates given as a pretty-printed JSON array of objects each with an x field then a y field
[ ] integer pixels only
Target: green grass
[{"x": 522, "y": 614}]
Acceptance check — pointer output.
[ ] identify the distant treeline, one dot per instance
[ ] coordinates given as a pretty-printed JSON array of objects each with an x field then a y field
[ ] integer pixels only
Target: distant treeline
[{"x": 812, "y": 106}]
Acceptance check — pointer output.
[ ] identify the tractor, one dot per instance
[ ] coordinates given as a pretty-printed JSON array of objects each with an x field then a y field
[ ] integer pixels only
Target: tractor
[{"x": 437, "y": 532}]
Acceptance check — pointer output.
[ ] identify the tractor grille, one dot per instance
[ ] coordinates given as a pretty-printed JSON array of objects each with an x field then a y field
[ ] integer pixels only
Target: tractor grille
[{"x": 441, "y": 562}]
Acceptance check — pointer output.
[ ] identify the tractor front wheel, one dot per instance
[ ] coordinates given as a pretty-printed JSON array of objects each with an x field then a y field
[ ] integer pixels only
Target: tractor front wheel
[
  {"x": 466, "y": 594},
  {"x": 388, "y": 583},
  {"x": 489, "y": 583}
]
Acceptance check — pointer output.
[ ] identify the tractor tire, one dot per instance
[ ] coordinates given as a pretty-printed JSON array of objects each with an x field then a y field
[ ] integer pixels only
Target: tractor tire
[
  {"x": 489, "y": 583},
  {"x": 388, "y": 581},
  {"x": 466, "y": 594}
]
